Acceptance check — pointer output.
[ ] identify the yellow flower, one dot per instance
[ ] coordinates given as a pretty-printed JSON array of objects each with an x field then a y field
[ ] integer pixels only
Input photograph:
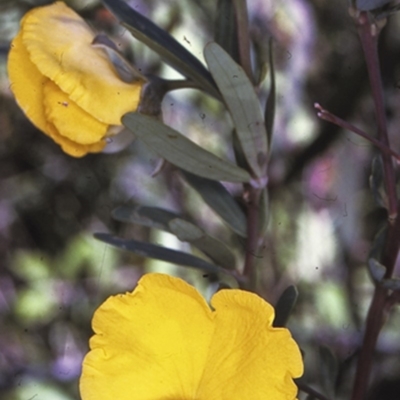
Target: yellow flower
[
  {"x": 67, "y": 87},
  {"x": 163, "y": 342}
]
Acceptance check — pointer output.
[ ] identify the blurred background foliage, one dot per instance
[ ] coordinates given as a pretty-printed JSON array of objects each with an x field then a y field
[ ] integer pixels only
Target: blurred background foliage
[{"x": 54, "y": 274}]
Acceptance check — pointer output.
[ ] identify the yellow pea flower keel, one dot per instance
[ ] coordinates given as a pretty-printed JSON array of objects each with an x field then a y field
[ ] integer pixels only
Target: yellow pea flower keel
[
  {"x": 163, "y": 341},
  {"x": 67, "y": 87}
]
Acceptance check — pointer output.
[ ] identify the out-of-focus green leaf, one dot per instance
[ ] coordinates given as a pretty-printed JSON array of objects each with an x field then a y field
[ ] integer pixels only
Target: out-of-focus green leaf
[
  {"x": 126, "y": 71},
  {"x": 385, "y": 11},
  {"x": 376, "y": 182},
  {"x": 153, "y": 217},
  {"x": 378, "y": 244},
  {"x": 328, "y": 370},
  {"x": 226, "y": 28},
  {"x": 164, "y": 44},
  {"x": 376, "y": 269},
  {"x": 182, "y": 152},
  {"x": 285, "y": 305},
  {"x": 238, "y": 151},
  {"x": 220, "y": 200},
  {"x": 37, "y": 304},
  {"x": 391, "y": 284},
  {"x": 269, "y": 114},
  {"x": 213, "y": 248},
  {"x": 160, "y": 253},
  {"x": 243, "y": 105},
  {"x": 184, "y": 230},
  {"x": 367, "y": 5}
]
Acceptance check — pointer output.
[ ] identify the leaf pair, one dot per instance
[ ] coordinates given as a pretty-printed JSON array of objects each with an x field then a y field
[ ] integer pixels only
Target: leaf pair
[{"x": 237, "y": 92}]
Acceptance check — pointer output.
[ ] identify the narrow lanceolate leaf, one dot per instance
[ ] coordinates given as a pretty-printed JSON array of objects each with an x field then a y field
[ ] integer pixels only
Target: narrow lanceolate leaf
[
  {"x": 284, "y": 306},
  {"x": 391, "y": 284},
  {"x": 153, "y": 217},
  {"x": 220, "y": 200},
  {"x": 180, "y": 151},
  {"x": 160, "y": 253},
  {"x": 328, "y": 370},
  {"x": 216, "y": 250},
  {"x": 243, "y": 105},
  {"x": 270, "y": 105},
  {"x": 184, "y": 230},
  {"x": 225, "y": 28},
  {"x": 164, "y": 44},
  {"x": 376, "y": 182},
  {"x": 376, "y": 269},
  {"x": 367, "y": 5}
]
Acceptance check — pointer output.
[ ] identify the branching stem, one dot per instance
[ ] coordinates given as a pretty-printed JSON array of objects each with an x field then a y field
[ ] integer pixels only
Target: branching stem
[
  {"x": 328, "y": 116},
  {"x": 368, "y": 33}
]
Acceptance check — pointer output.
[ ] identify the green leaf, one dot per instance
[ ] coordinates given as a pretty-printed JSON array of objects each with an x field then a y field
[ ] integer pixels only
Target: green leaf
[
  {"x": 180, "y": 151},
  {"x": 220, "y": 200},
  {"x": 226, "y": 28},
  {"x": 269, "y": 114},
  {"x": 213, "y": 248},
  {"x": 285, "y": 305},
  {"x": 376, "y": 182},
  {"x": 328, "y": 370},
  {"x": 243, "y": 105},
  {"x": 367, "y": 5},
  {"x": 164, "y": 44},
  {"x": 376, "y": 270},
  {"x": 125, "y": 71},
  {"x": 391, "y": 284},
  {"x": 378, "y": 243},
  {"x": 184, "y": 230},
  {"x": 160, "y": 253},
  {"x": 153, "y": 217}
]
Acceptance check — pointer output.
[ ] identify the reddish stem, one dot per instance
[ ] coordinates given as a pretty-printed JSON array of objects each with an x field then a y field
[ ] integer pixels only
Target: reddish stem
[
  {"x": 328, "y": 116},
  {"x": 253, "y": 214},
  {"x": 368, "y": 33}
]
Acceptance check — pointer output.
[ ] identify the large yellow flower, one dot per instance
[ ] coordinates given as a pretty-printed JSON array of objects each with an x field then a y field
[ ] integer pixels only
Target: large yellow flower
[
  {"x": 67, "y": 87},
  {"x": 163, "y": 342}
]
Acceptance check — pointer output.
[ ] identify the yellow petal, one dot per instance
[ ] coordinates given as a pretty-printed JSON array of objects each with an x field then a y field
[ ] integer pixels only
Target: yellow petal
[
  {"x": 251, "y": 359},
  {"x": 69, "y": 119},
  {"x": 59, "y": 43},
  {"x": 72, "y": 148},
  {"x": 163, "y": 342},
  {"x": 150, "y": 344},
  {"x": 26, "y": 83}
]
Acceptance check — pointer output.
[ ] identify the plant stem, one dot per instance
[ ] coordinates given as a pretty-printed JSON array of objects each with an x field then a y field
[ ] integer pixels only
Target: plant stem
[
  {"x": 376, "y": 314},
  {"x": 368, "y": 33},
  {"x": 253, "y": 214},
  {"x": 328, "y": 116}
]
